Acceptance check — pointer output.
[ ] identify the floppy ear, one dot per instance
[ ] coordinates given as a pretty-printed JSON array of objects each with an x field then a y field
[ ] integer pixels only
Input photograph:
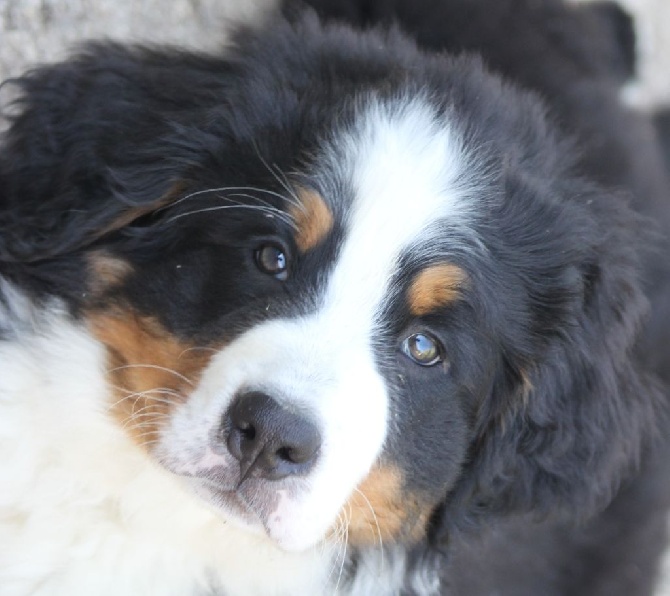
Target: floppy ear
[
  {"x": 95, "y": 145},
  {"x": 572, "y": 409}
]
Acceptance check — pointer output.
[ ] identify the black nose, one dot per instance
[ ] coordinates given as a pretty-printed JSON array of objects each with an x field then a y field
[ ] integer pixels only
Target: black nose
[{"x": 269, "y": 440}]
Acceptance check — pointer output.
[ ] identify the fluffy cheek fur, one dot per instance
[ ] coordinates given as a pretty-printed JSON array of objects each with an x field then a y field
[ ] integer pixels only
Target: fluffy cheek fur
[{"x": 150, "y": 371}]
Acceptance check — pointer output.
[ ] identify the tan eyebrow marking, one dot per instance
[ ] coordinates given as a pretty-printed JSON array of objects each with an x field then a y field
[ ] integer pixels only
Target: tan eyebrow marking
[
  {"x": 435, "y": 287},
  {"x": 313, "y": 219}
]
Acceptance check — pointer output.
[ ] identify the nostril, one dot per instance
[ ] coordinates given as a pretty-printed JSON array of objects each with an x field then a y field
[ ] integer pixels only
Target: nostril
[
  {"x": 297, "y": 455},
  {"x": 286, "y": 454},
  {"x": 247, "y": 431}
]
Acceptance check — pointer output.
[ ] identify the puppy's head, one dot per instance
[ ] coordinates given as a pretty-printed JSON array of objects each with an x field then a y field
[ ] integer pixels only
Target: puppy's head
[{"x": 358, "y": 293}]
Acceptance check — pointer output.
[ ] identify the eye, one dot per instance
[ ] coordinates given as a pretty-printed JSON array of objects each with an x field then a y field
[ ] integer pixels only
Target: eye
[
  {"x": 423, "y": 349},
  {"x": 271, "y": 259}
]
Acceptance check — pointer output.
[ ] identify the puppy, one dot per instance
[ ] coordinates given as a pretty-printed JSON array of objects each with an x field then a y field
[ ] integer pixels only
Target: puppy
[{"x": 368, "y": 304}]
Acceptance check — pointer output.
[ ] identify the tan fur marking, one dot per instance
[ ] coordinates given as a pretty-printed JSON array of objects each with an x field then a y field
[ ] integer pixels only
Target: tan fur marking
[
  {"x": 435, "y": 287},
  {"x": 313, "y": 220},
  {"x": 149, "y": 370},
  {"x": 106, "y": 271},
  {"x": 381, "y": 511}
]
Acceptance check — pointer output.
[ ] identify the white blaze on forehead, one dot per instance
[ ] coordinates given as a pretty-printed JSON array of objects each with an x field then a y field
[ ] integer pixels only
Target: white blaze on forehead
[{"x": 404, "y": 167}]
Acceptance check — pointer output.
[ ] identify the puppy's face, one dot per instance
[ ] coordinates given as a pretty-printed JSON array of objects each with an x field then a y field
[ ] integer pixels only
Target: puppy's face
[
  {"x": 339, "y": 296},
  {"x": 296, "y": 359}
]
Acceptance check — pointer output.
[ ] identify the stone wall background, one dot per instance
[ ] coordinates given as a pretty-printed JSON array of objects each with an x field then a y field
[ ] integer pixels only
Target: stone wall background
[
  {"x": 33, "y": 31},
  {"x": 652, "y": 20}
]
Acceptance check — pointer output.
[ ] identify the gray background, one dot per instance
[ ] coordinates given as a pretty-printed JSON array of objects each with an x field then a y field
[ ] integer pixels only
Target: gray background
[
  {"x": 33, "y": 31},
  {"x": 40, "y": 30}
]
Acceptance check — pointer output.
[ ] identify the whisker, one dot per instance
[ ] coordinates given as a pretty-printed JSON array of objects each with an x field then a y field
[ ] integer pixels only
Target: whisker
[
  {"x": 137, "y": 413},
  {"x": 134, "y": 425},
  {"x": 244, "y": 195},
  {"x": 345, "y": 543},
  {"x": 206, "y": 191},
  {"x": 143, "y": 395},
  {"x": 339, "y": 536},
  {"x": 146, "y": 443},
  {"x": 283, "y": 215},
  {"x": 266, "y": 191},
  {"x": 147, "y": 408},
  {"x": 376, "y": 520},
  {"x": 277, "y": 212},
  {"x": 284, "y": 183},
  {"x": 152, "y": 366},
  {"x": 145, "y": 413},
  {"x": 292, "y": 198},
  {"x": 201, "y": 348},
  {"x": 227, "y": 189},
  {"x": 159, "y": 390},
  {"x": 140, "y": 425}
]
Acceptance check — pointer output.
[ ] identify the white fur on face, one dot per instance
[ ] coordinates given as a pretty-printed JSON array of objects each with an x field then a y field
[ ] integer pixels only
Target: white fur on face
[{"x": 405, "y": 169}]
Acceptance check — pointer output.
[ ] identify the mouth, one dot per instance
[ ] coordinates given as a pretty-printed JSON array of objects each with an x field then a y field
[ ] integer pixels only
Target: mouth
[
  {"x": 213, "y": 479},
  {"x": 269, "y": 511},
  {"x": 227, "y": 503}
]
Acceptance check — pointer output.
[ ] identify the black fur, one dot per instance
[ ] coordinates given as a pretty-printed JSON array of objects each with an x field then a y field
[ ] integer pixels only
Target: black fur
[{"x": 559, "y": 384}]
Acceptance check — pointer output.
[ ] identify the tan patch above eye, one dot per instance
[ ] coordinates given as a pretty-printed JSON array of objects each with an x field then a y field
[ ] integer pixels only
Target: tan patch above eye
[
  {"x": 313, "y": 219},
  {"x": 149, "y": 371},
  {"x": 380, "y": 510},
  {"x": 435, "y": 287}
]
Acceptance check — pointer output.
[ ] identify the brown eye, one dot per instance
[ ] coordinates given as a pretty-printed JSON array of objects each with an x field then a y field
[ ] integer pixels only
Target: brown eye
[
  {"x": 272, "y": 260},
  {"x": 423, "y": 349}
]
